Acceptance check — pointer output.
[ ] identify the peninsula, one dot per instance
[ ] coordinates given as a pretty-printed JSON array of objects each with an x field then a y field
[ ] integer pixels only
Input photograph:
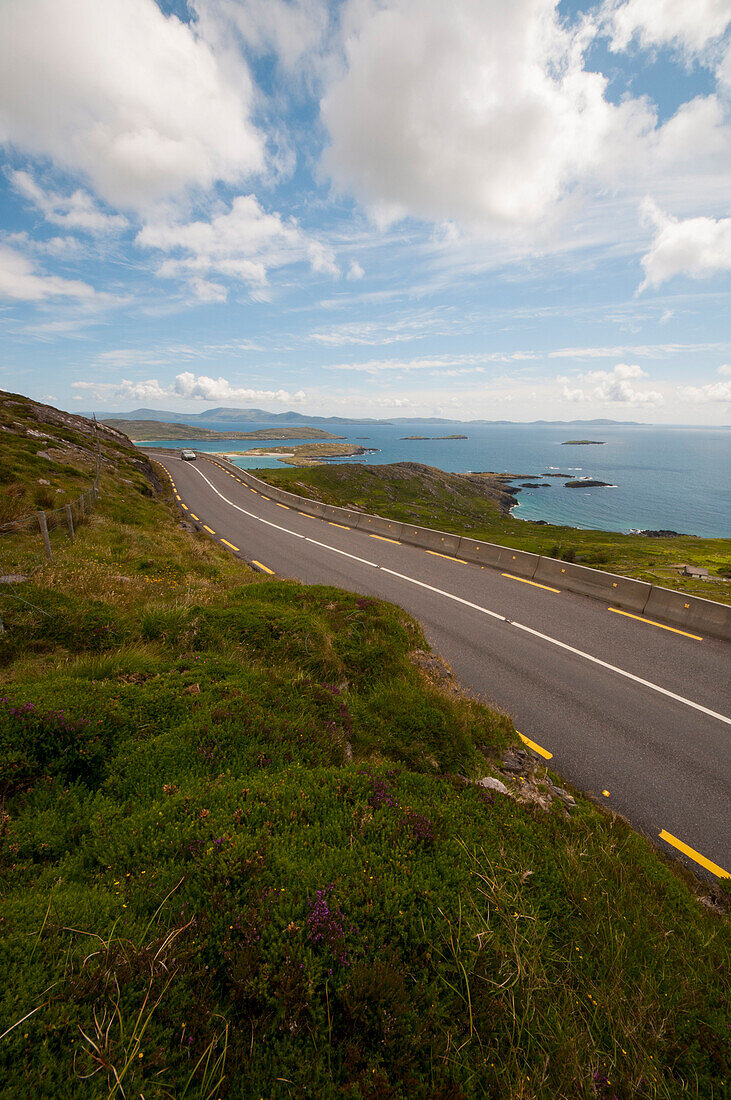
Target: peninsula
[
  {"x": 306, "y": 454},
  {"x": 584, "y": 443},
  {"x": 140, "y": 431}
]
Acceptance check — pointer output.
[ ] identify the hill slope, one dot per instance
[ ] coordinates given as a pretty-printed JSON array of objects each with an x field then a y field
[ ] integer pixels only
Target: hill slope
[{"x": 242, "y": 854}]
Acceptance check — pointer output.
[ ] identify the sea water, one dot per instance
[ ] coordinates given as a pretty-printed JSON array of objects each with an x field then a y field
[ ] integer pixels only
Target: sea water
[{"x": 661, "y": 478}]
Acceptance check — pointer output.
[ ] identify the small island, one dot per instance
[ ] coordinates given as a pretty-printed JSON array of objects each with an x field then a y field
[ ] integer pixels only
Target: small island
[
  {"x": 584, "y": 443},
  {"x": 434, "y": 437},
  {"x": 588, "y": 483}
]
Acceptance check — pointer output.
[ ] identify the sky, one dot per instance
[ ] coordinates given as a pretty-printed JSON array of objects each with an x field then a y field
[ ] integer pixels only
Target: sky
[{"x": 380, "y": 208}]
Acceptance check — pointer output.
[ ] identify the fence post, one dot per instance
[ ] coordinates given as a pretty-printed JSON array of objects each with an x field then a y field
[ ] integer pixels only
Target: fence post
[
  {"x": 81, "y": 505},
  {"x": 70, "y": 521},
  {"x": 44, "y": 534}
]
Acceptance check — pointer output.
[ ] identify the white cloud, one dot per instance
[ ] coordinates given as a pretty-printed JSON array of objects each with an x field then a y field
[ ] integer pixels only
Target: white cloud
[
  {"x": 76, "y": 211},
  {"x": 645, "y": 351},
  {"x": 289, "y": 29},
  {"x": 134, "y": 100},
  {"x": 20, "y": 280},
  {"x": 189, "y": 386},
  {"x": 698, "y": 247},
  {"x": 712, "y": 392},
  {"x": 395, "y": 403},
  {"x": 405, "y": 329},
  {"x": 477, "y": 110},
  {"x": 437, "y": 364},
  {"x": 355, "y": 271},
  {"x": 613, "y": 387},
  {"x": 697, "y": 132},
  {"x": 688, "y": 24},
  {"x": 240, "y": 244}
]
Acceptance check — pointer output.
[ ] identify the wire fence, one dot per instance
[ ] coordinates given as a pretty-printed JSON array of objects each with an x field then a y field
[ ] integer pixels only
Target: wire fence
[
  {"x": 69, "y": 516},
  {"x": 40, "y": 524}
]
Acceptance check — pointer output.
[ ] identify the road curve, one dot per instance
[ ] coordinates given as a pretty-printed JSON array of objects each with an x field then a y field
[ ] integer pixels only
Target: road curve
[{"x": 635, "y": 714}]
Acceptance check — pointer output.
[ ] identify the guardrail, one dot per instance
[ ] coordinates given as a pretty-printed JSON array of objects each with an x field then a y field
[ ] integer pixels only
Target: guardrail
[{"x": 664, "y": 604}]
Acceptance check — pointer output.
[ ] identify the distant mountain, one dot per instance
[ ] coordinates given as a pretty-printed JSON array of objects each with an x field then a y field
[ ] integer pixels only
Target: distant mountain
[{"x": 224, "y": 415}]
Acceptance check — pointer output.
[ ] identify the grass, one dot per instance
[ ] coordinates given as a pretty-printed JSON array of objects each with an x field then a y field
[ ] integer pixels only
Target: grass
[
  {"x": 458, "y": 503},
  {"x": 241, "y": 856}
]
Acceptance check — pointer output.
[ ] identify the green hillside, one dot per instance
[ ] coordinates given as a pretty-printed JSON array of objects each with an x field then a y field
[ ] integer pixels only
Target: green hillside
[{"x": 242, "y": 853}]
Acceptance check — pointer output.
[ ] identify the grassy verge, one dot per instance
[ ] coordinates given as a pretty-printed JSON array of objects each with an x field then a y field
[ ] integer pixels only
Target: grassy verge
[
  {"x": 241, "y": 857},
  {"x": 456, "y": 502}
]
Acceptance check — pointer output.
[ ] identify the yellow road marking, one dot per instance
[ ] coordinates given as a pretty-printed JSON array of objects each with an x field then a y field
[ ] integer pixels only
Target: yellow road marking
[
  {"x": 305, "y": 514},
  {"x": 536, "y": 748},
  {"x": 209, "y": 529},
  {"x": 534, "y": 583},
  {"x": 436, "y": 554},
  {"x": 384, "y": 539},
  {"x": 281, "y": 505},
  {"x": 177, "y": 497},
  {"x": 193, "y": 516},
  {"x": 230, "y": 545},
  {"x": 264, "y": 567},
  {"x": 709, "y": 866},
  {"x": 254, "y": 491},
  {"x": 338, "y": 525},
  {"x": 184, "y": 506},
  {"x": 652, "y": 622}
]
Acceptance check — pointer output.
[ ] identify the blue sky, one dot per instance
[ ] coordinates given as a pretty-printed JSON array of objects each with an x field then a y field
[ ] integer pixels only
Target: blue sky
[{"x": 371, "y": 207}]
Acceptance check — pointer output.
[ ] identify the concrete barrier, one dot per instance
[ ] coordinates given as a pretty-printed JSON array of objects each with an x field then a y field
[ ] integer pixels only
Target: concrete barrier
[
  {"x": 439, "y": 541},
  {"x": 334, "y": 514},
  {"x": 625, "y": 592},
  {"x": 504, "y": 558},
  {"x": 691, "y": 613},
  {"x": 377, "y": 525}
]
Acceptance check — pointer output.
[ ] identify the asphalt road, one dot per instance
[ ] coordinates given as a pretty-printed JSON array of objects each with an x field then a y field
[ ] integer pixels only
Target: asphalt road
[{"x": 634, "y": 714}]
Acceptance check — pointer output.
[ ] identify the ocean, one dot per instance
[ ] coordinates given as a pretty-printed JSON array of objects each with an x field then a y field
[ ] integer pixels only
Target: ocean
[{"x": 661, "y": 478}]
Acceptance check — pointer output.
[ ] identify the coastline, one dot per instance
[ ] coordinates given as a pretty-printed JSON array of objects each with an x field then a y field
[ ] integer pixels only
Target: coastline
[{"x": 666, "y": 480}]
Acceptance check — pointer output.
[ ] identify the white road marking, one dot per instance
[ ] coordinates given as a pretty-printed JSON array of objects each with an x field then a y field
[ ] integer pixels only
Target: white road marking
[{"x": 483, "y": 610}]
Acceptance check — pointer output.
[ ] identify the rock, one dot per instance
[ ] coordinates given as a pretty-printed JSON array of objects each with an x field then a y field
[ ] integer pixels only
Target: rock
[
  {"x": 13, "y": 578},
  {"x": 517, "y": 761},
  {"x": 192, "y": 689},
  {"x": 492, "y": 784},
  {"x": 43, "y": 481},
  {"x": 559, "y": 792},
  {"x": 662, "y": 534}
]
